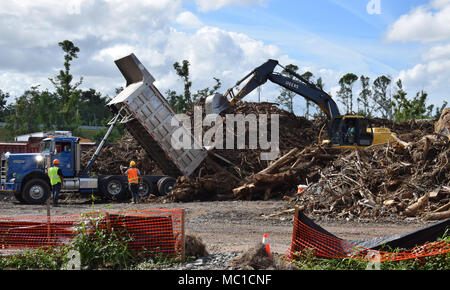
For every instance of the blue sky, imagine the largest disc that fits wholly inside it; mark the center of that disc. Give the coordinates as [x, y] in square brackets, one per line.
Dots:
[292, 25]
[227, 39]
[334, 34]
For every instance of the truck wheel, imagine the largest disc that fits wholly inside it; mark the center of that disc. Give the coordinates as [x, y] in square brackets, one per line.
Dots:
[165, 185]
[145, 188]
[113, 188]
[36, 191]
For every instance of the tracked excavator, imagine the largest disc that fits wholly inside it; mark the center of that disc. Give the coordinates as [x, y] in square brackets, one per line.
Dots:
[345, 132]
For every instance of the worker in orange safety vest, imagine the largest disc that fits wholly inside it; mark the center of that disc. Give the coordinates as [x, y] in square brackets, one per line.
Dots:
[133, 175]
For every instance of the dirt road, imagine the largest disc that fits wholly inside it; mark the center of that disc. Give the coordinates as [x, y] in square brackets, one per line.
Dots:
[230, 226]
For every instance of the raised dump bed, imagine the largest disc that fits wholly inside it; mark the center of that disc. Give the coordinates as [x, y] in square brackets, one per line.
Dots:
[147, 115]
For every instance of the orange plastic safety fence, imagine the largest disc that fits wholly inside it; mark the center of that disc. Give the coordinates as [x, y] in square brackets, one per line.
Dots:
[326, 246]
[155, 231]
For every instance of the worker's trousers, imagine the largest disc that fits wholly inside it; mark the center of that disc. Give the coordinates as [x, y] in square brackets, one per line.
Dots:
[134, 188]
[56, 188]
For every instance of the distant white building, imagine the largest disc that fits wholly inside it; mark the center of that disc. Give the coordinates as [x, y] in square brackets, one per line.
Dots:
[24, 138]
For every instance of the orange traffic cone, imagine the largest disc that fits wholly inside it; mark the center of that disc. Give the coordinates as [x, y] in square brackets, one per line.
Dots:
[265, 241]
[301, 188]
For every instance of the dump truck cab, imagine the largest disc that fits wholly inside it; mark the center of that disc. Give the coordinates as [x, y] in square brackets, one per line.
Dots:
[25, 174]
[66, 150]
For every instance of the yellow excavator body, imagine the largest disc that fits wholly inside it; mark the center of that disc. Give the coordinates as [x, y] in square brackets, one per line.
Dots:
[380, 136]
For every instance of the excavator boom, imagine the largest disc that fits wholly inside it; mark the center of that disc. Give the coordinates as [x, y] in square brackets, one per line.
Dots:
[259, 76]
[338, 126]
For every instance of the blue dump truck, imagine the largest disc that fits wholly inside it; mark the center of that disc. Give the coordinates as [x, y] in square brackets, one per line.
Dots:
[144, 112]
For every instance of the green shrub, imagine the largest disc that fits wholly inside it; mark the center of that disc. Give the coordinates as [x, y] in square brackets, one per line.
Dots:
[306, 260]
[102, 247]
[39, 259]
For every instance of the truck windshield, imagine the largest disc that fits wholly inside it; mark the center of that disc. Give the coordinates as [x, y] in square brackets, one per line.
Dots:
[46, 146]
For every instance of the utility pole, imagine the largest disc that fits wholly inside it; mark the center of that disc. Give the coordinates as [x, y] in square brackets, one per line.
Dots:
[259, 94]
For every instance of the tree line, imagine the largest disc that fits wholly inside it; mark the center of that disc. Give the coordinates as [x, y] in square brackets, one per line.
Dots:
[66, 108]
[373, 100]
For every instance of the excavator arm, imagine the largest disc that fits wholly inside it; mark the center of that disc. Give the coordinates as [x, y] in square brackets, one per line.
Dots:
[261, 74]
[309, 92]
[338, 126]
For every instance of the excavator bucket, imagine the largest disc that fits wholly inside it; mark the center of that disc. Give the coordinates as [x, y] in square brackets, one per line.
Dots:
[216, 103]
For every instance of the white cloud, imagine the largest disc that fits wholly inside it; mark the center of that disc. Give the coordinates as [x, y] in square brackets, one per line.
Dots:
[424, 24]
[208, 5]
[188, 20]
[428, 24]
[106, 30]
[113, 53]
[15, 83]
[437, 52]
[438, 4]
[33, 23]
[432, 74]
[109, 29]
[213, 52]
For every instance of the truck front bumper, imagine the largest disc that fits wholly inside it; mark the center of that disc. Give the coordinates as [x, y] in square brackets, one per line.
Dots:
[8, 187]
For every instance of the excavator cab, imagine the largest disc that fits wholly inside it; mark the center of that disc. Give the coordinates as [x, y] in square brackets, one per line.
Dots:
[351, 131]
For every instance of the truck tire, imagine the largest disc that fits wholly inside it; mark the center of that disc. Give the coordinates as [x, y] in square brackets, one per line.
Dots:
[36, 191]
[113, 188]
[145, 188]
[165, 185]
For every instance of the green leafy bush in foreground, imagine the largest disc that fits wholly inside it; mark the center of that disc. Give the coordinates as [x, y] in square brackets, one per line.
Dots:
[98, 248]
[108, 249]
[49, 259]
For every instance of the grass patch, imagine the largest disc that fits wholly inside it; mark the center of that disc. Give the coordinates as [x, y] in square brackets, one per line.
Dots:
[307, 261]
[310, 262]
[48, 259]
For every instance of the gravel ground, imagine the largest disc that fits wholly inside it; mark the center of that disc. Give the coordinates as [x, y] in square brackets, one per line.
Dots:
[227, 228]
[219, 261]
